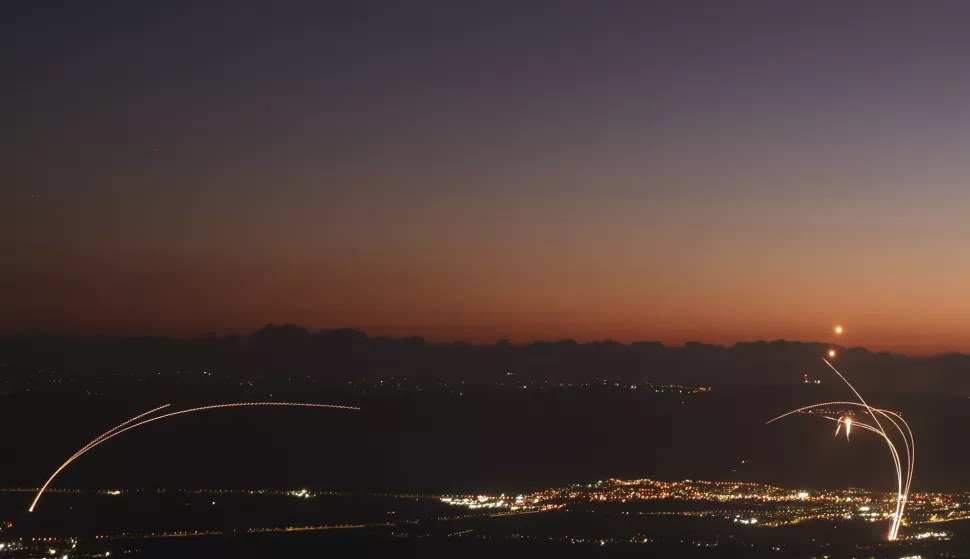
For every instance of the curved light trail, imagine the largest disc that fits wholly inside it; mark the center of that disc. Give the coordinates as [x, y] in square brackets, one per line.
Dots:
[904, 469]
[88, 446]
[119, 426]
[127, 426]
[904, 486]
[893, 417]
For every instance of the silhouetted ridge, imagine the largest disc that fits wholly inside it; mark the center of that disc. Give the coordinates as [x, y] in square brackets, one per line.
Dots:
[340, 355]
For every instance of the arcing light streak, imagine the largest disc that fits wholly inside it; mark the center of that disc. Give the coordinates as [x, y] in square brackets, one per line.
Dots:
[904, 470]
[892, 448]
[904, 477]
[88, 446]
[114, 432]
[904, 487]
[893, 417]
[120, 425]
[856, 392]
[901, 500]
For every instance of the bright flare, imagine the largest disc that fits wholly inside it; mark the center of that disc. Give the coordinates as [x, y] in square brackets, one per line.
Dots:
[839, 330]
[831, 353]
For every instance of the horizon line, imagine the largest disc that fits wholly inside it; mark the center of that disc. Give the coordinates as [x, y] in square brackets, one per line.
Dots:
[494, 341]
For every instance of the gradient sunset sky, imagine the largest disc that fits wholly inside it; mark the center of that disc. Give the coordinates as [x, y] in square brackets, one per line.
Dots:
[713, 171]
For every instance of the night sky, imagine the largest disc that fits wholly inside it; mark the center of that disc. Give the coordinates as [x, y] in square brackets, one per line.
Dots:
[713, 171]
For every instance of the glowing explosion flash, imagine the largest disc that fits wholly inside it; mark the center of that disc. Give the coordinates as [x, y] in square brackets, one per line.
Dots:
[904, 469]
[126, 426]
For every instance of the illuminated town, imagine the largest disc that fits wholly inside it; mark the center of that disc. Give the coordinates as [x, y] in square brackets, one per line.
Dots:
[746, 503]
[741, 505]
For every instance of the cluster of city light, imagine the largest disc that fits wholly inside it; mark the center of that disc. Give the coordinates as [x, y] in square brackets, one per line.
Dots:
[302, 494]
[129, 425]
[622, 491]
[477, 503]
[747, 504]
[929, 535]
[772, 506]
[20, 548]
[520, 503]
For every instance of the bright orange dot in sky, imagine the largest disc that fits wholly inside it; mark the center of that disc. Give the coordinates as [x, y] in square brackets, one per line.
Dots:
[838, 330]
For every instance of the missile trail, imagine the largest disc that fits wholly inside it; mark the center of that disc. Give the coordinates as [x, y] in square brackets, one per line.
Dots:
[895, 419]
[127, 426]
[89, 445]
[903, 494]
[854, 391]
[904, 477]
[119, 426]
[904, 469]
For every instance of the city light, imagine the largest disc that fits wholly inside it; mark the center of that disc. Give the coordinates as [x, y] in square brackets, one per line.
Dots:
[751, 505]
